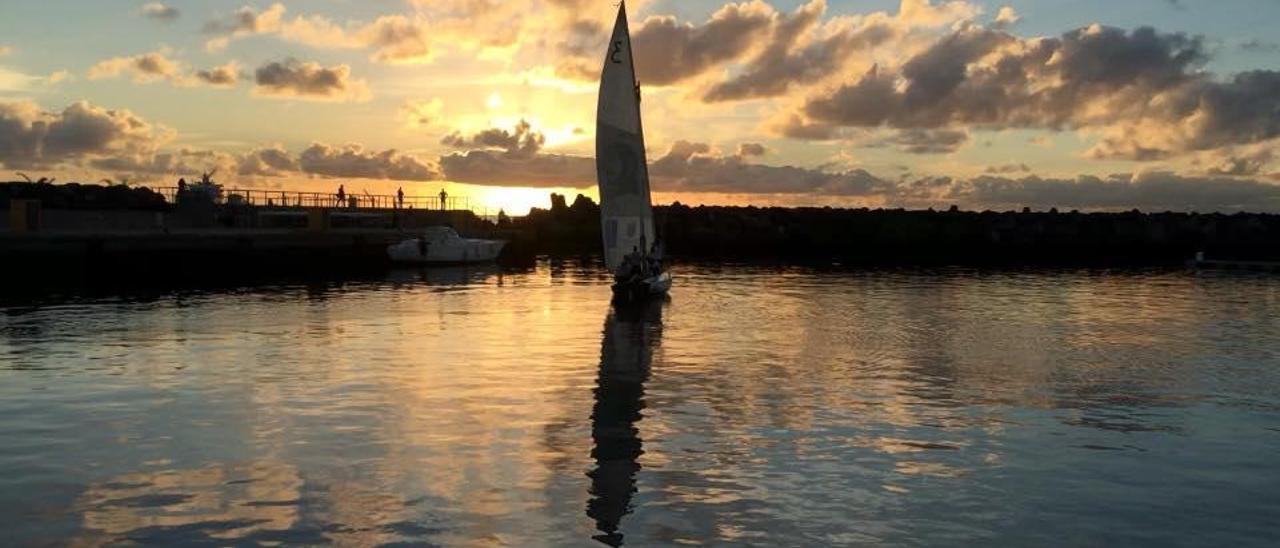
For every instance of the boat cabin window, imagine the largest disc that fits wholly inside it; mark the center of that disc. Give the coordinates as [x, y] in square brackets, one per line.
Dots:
[439, 233]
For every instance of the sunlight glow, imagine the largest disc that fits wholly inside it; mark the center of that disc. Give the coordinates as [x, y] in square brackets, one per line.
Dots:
[494, 101]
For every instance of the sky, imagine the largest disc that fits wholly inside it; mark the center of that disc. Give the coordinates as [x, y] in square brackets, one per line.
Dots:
[1089, 104]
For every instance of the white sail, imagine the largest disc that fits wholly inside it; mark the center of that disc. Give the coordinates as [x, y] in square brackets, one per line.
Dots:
[626, 214]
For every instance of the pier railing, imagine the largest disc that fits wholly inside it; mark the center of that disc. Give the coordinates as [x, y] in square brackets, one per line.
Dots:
[296, 199]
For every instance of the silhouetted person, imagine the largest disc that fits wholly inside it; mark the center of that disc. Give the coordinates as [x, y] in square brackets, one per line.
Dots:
[631, 267]
[342, 195]
[182, 190]
[400, 198]
[444, 197]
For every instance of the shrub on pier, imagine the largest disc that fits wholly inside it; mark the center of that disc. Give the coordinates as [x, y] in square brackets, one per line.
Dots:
[81, 196]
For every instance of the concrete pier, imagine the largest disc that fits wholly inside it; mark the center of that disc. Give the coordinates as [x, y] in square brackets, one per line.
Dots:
[192, 253]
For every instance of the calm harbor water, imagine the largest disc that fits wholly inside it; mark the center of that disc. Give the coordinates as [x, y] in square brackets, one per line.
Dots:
[758, 406]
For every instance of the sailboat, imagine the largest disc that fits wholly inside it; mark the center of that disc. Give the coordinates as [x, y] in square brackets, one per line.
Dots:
[632, 250]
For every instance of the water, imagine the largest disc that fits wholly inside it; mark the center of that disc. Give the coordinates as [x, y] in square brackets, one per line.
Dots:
[758, 406]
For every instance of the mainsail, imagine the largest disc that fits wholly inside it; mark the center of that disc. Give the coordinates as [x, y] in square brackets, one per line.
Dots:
[626, 215]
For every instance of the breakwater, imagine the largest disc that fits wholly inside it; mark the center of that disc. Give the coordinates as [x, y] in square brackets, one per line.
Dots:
[901, 237]
[103, 232]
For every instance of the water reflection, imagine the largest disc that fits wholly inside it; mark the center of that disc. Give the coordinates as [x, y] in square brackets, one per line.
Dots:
[217, 502]
[631, 335]
[461, 275]
[779, 407]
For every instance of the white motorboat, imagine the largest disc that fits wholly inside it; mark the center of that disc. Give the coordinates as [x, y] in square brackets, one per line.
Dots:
[443, 245]
[632, 251]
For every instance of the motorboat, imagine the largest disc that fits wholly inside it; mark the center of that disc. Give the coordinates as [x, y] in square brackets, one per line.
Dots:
[442, 245]
[632, 251]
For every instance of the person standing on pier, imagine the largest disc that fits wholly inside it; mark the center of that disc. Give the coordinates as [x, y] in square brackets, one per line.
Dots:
[342, 195]
[444, 197]
[400, 198]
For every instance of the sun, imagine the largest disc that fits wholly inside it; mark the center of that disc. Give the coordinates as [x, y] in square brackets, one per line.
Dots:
[494, 102]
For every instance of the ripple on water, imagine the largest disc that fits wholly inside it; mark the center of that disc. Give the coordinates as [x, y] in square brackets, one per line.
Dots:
[760, 406]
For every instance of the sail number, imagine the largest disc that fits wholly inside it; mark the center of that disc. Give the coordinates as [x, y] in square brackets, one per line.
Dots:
[617, 48]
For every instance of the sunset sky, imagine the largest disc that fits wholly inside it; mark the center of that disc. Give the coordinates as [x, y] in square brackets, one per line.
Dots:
[1088, 104]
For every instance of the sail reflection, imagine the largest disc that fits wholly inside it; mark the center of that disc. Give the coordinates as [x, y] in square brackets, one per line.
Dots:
[631, 335]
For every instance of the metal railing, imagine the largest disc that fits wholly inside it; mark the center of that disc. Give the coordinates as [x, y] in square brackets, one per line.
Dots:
[296, 199]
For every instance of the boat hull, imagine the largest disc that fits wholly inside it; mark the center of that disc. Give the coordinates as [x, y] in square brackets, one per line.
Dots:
[640, 290]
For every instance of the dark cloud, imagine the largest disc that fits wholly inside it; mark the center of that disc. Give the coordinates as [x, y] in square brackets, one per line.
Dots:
[1255, 45]
[1203, 115]
[521, 142]
[784, 63]
[148, 165]
[267, 161]
[487, 167]
[351, 161]
[686, 167]
[396, 39]
[583, 38]
[781, 51]
[30, 136]
[292, 78]
[160, 12]
[22, 132]
[1242, 163]
[667, 51]
[1145, 86]
[356, 162]
[1008, 168]
[923, 141]
[503, 157]
[247, 20]
[226, 75]
[751, 149]
[1148, 192]
[694, 167]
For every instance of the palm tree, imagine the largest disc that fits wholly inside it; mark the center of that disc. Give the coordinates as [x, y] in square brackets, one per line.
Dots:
[42, 180]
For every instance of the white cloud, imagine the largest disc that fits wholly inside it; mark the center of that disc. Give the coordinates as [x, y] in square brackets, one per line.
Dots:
[144, 68]
[1007, 16]
[160, 12]
[420, 114]
[14, 81]
[395, 39]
